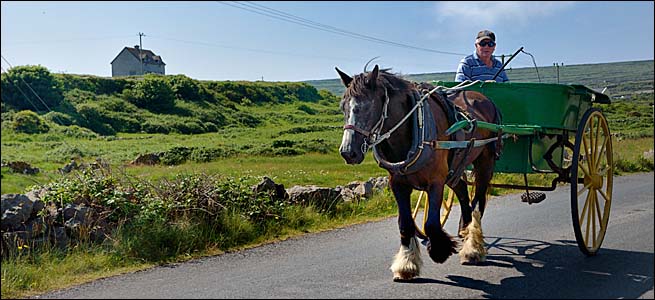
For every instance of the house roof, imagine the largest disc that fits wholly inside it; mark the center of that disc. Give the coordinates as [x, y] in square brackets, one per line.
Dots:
[148, 56]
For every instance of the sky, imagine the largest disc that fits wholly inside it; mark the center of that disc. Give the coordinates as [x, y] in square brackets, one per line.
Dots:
[306, 40]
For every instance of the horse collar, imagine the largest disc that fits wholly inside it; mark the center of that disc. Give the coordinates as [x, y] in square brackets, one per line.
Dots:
[423, 129]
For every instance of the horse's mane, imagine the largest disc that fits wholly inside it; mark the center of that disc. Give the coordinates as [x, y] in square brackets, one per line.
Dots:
[392, 81]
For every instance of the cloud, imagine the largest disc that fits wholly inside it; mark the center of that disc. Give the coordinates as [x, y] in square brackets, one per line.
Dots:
[490, 13]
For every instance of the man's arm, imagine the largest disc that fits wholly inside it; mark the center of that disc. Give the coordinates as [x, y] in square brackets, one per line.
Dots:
[463, 72]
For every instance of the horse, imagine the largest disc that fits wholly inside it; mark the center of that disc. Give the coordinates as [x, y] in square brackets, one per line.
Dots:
[376, 107]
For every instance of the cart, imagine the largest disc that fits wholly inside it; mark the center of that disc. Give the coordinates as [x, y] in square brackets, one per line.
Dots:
[552, 129]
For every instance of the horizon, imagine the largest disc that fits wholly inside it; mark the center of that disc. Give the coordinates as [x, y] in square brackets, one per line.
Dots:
[305, 41]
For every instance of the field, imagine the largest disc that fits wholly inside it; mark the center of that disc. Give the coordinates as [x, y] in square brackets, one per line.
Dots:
[261, 133]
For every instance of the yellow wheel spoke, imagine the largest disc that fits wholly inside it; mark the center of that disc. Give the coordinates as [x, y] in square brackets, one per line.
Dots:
[586, 187]
[602, 150]
[589, 218]
[607, 199]
[593, 223]
[418, 203]
[600, 214]
[586, 172]
[595, 152]
[584, 209]
[586, 151]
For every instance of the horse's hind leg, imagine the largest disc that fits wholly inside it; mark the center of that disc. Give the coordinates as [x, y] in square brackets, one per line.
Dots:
[473, 250]
[407, 263]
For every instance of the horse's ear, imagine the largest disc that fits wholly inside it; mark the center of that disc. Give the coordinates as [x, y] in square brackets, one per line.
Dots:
[345, 79]
[373, 76]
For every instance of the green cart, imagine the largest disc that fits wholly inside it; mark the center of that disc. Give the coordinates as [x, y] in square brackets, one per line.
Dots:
[552, 129]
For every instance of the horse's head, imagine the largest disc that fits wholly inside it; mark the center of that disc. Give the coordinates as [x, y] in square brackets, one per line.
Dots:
[362, 107]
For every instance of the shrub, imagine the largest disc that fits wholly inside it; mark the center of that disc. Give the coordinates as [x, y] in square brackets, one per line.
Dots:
[27, 121]
[152, 93]
[151, 126]
[187, 127]
[92, 118]
[247, 119]
[21, 83]
[78, 132]
[186, 88]
[283, 143]
[175, 156]
[307, 109]
[59, 118]
[206, 155]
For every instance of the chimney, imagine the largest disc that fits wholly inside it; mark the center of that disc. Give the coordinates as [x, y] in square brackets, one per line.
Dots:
[136, 47]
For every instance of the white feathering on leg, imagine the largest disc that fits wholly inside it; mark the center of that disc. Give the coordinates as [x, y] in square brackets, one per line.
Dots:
[473, 250]
[408, 262]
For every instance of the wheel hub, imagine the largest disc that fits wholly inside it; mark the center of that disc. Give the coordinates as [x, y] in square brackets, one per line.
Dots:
[595, 181]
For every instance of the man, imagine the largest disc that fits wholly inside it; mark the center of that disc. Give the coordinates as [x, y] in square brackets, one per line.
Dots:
[481, 65]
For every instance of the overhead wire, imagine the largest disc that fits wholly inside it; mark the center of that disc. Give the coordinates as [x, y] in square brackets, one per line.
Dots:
[19, 89]
[247, 49]
[277, 14]
[23, 80]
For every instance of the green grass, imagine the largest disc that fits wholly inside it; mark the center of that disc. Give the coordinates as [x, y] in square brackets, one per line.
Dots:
[35, 272]
[312, 129]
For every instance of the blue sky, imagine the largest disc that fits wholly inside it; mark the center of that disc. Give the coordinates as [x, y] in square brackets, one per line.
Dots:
[222, 40]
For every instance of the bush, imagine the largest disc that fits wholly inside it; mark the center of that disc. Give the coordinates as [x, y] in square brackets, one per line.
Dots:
[187, 127]
[78, 132]
[154, 127]
[59, 118]
[307, 109]
[175, 156]
[153, 93]
[20, 84]
[93, 118]
[247, 119]
[186, 88]
[27, 121]
[206, 155]
[283, 143]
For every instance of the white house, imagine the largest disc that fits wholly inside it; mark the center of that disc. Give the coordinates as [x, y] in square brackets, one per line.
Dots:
[127, 62]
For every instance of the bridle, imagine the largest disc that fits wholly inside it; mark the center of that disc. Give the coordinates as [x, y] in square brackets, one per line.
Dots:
[371, 137]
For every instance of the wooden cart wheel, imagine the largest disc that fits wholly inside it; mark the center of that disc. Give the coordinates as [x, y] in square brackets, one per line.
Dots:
[446, 206]
[591, 181]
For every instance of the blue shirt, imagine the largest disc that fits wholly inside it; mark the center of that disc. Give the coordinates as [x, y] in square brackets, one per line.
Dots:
[472, 68]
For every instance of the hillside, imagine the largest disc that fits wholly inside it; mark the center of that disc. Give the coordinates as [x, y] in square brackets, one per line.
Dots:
[621, 78]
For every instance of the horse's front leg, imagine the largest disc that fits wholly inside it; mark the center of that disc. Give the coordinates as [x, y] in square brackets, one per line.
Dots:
[407, 263]
[440, 244]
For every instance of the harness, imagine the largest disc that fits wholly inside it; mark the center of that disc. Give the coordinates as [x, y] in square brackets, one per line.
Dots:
[424, 132]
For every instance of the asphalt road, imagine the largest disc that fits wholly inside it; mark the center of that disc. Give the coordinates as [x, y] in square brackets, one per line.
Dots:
[532, 254]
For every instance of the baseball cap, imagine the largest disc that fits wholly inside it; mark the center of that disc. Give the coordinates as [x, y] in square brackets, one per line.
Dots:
[485, 34]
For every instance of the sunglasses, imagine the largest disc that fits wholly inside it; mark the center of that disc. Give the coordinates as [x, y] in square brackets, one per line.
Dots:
[489, 43]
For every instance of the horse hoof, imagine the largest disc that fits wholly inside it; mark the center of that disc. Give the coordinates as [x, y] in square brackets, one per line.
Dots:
[400, 279]
[471, 259]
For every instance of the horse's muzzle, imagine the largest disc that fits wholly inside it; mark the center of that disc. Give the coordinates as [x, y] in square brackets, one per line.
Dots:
[352, 157]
